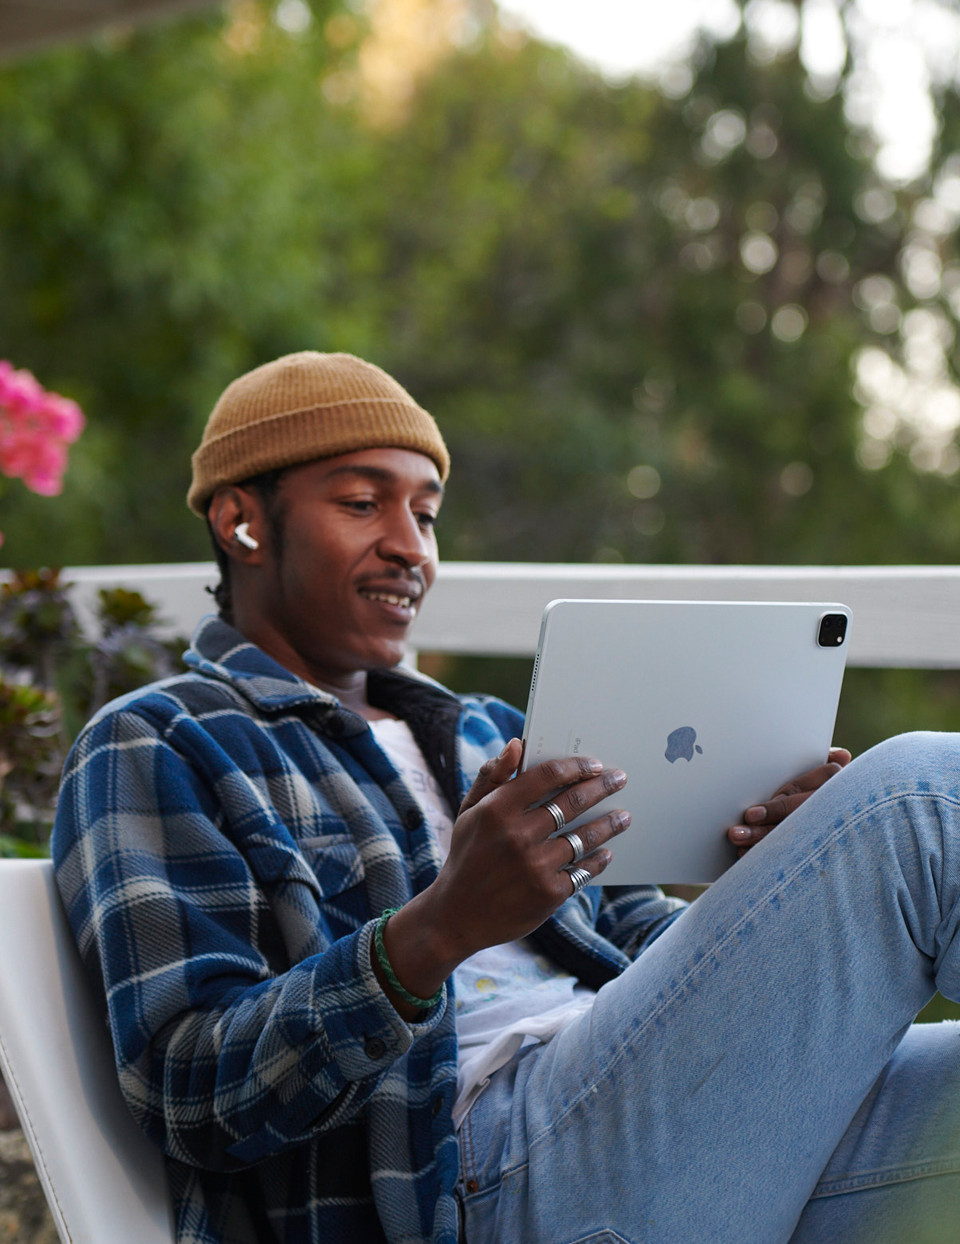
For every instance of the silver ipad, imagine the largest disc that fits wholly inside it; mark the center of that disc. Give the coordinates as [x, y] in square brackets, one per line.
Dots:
[708, 706]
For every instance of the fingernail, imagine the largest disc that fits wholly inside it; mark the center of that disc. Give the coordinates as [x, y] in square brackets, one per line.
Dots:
[595, 766]
[740, 833]
[621, 819]
[757, 813]
[618, 778]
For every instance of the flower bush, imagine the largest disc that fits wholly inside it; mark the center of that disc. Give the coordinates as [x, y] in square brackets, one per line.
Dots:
[52, 675]
[36, 622]
[52, 678]
[31, 756]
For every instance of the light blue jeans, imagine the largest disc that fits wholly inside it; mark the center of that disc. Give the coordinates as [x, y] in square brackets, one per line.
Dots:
[754, 1077]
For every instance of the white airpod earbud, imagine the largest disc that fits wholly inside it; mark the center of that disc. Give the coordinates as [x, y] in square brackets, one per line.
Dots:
[242, 533]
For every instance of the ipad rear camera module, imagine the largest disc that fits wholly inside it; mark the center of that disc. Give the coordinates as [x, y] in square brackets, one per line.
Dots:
[833, 630]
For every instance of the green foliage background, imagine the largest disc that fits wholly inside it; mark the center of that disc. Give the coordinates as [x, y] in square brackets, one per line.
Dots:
[550, 262]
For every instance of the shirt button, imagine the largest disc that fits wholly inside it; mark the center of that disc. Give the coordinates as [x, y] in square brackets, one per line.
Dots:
[472, 1186]
[413, 819]
[374, 1047]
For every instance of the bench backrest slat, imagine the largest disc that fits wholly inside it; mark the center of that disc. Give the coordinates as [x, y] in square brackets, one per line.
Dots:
[903, 616]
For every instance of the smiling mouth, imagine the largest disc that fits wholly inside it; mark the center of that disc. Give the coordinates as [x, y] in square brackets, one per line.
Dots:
[391, 598]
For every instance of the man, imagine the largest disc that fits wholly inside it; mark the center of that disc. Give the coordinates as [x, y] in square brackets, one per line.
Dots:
[356, 989]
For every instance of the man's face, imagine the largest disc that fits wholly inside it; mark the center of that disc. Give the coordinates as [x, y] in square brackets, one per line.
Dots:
[357, 554]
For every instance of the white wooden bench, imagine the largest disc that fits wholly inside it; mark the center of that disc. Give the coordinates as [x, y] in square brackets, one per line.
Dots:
[104, 1182]
[903, 616]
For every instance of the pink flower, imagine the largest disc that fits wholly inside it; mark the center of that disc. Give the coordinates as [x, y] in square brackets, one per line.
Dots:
[21, 393]
[64, 418]
[44, 472]
[35, 429]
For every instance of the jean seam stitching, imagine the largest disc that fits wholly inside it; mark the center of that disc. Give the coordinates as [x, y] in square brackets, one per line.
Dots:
[907, 1173]
[469, 1153]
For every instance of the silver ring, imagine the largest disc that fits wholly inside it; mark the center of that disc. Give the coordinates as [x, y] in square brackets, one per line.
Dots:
[580, 877]
[577, 843]
[558, 817]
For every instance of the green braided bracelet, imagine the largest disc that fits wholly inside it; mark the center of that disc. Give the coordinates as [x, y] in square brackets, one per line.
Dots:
[422, 1004]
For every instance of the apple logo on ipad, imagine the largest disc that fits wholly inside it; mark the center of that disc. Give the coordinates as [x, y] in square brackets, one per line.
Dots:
[682, 742]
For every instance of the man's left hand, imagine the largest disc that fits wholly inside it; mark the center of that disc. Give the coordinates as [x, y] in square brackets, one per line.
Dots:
[762, 817]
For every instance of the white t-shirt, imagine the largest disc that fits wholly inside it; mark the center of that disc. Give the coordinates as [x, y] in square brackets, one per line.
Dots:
[506, 995]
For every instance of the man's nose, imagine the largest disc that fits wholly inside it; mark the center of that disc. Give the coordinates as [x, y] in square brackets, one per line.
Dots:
[406, 541]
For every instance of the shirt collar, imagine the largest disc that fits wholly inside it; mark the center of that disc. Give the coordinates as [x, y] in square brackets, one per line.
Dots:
[220, 651]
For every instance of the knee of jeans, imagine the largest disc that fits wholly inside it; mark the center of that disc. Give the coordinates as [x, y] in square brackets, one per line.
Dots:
[923, 760]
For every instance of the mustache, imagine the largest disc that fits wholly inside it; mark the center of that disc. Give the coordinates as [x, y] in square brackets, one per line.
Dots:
[412, 580]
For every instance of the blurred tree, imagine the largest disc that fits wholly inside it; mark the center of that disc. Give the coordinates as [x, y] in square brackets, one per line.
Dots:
[167, 196]
[639, 317]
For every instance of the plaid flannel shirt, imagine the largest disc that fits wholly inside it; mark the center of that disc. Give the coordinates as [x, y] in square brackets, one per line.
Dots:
[224, 842]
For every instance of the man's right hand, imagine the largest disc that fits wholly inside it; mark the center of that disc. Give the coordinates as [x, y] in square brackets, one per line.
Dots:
[506, 873]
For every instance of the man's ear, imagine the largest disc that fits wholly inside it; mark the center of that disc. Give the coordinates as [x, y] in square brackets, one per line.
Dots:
[236, 519]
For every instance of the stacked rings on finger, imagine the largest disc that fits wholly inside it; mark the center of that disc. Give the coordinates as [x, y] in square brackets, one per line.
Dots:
[580, 877]
[558, 817]
[577, 843]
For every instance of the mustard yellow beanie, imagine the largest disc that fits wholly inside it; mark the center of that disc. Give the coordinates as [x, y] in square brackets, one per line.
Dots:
[306, 406]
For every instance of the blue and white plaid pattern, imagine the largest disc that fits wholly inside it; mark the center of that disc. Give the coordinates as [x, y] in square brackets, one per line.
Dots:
[224, 842]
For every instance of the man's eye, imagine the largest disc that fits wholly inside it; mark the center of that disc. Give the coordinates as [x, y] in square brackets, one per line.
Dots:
[427, 520]
[360, 507]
